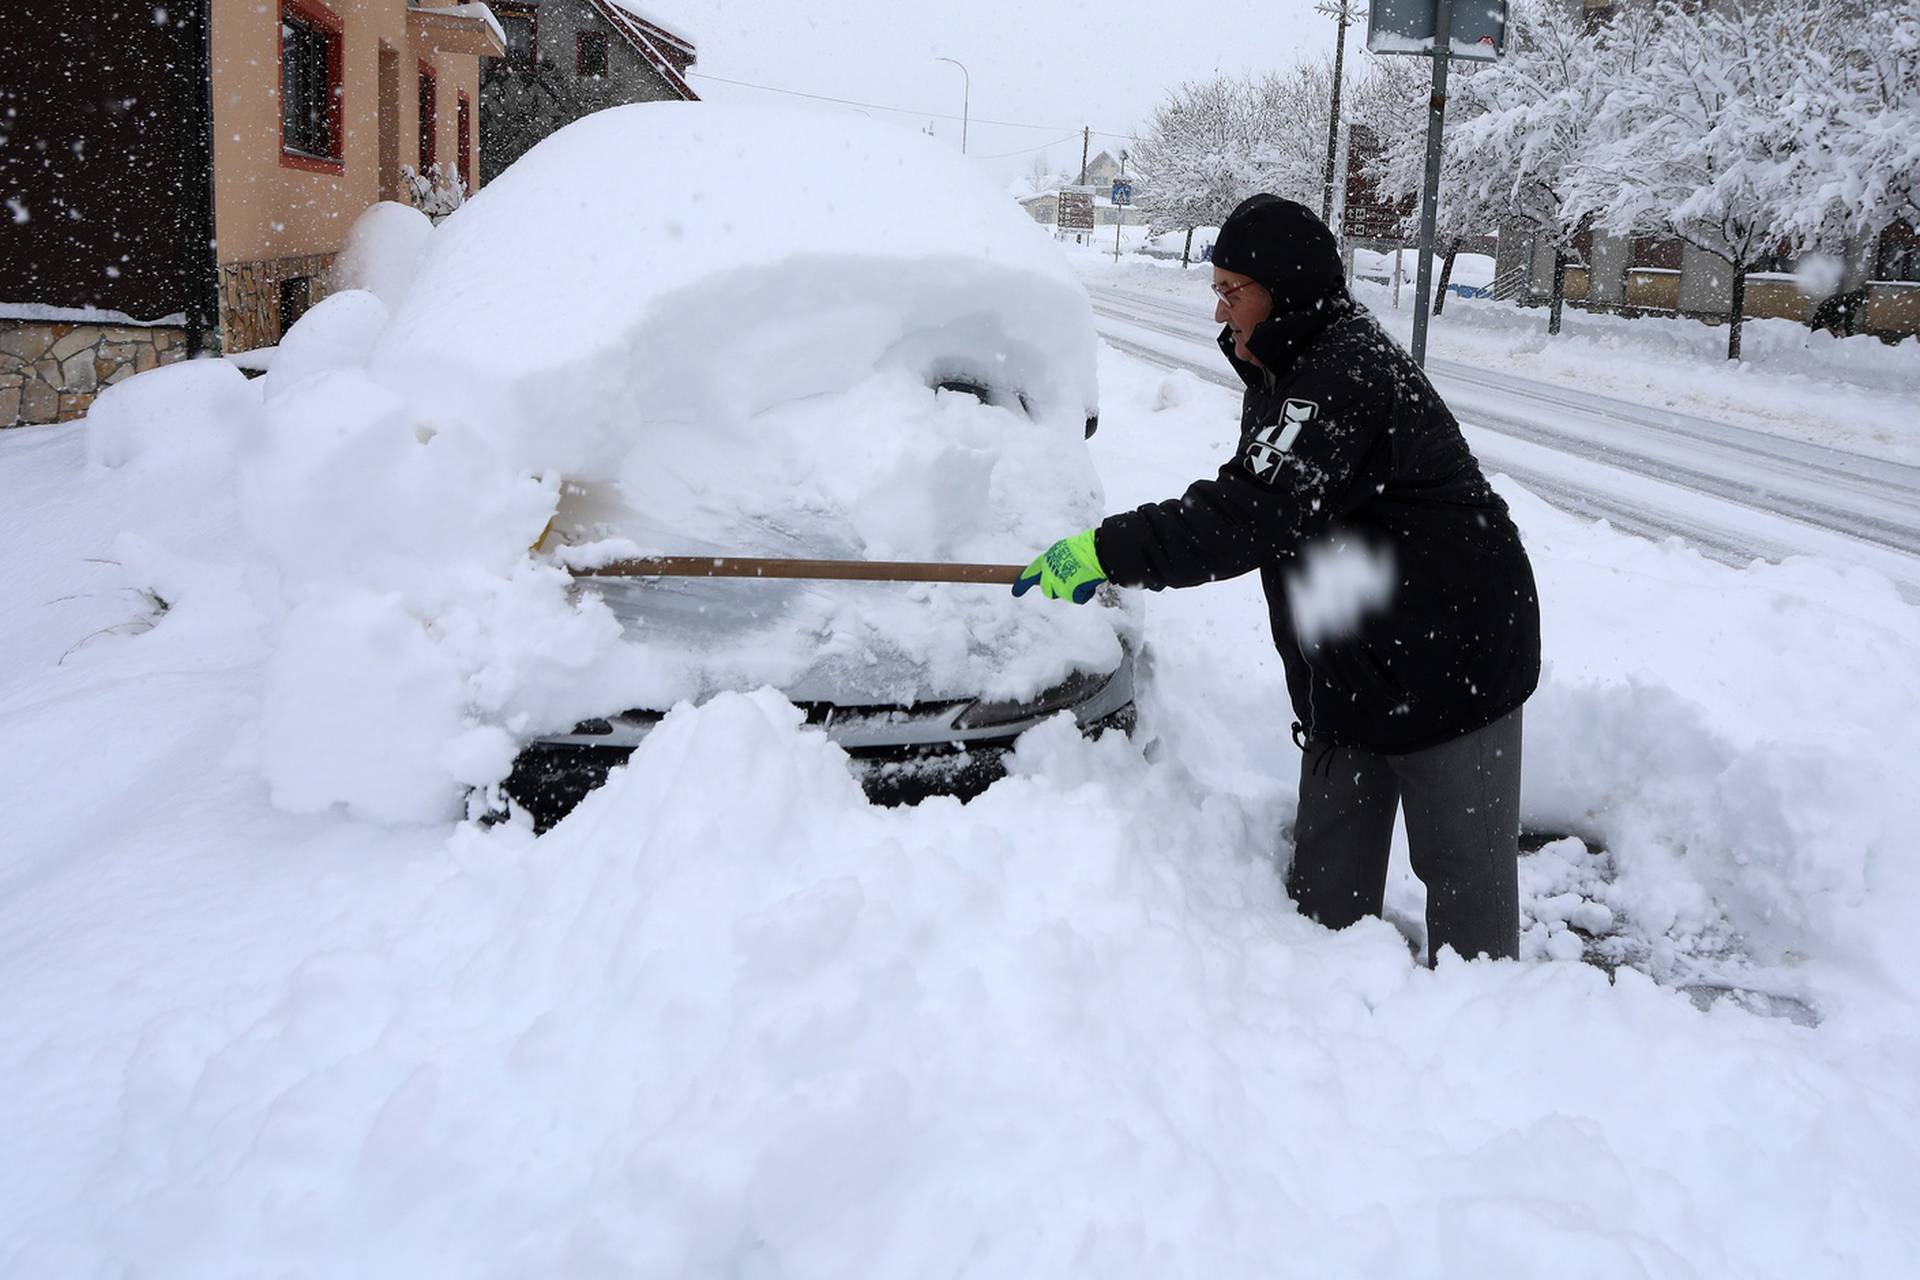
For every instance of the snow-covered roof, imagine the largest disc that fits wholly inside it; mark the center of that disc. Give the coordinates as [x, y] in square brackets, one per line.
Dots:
[646, 38]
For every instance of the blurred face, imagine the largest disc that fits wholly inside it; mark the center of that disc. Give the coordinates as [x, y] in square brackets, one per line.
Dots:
[1243, 302]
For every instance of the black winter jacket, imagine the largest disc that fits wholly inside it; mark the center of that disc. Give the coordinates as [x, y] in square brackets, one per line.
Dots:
[1345, 445]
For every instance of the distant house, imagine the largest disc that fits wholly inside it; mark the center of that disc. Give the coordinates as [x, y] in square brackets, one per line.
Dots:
[568, 58]
[1101, 171]
[1657, 275]
[1043, 206]
[190, 192]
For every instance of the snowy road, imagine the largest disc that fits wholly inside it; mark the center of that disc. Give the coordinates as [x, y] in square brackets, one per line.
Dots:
[1733, 493]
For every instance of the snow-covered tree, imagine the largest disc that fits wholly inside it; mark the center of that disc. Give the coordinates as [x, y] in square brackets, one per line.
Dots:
[1392, 98]
[1289, 130]
[1215, 142]
[1855, 110]
[437, 192]
[1199, 154]
[1530, 120]
[1699, 140]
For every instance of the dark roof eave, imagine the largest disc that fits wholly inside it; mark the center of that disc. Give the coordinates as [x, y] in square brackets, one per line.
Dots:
[635, 32]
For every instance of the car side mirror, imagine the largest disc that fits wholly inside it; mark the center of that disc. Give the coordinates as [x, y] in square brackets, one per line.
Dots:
[1093, 424]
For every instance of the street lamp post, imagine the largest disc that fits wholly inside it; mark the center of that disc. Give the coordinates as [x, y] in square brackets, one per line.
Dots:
[966, 96]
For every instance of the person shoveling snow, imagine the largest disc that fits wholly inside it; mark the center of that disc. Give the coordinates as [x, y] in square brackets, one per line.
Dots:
[1400, 596]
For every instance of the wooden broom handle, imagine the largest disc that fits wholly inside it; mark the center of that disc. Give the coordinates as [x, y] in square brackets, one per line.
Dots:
[835, 570]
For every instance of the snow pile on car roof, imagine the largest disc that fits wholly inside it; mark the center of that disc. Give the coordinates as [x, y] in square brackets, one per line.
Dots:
[673, 261]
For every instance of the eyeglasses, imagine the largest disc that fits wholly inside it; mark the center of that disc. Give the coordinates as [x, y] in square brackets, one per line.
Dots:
[1225, 292]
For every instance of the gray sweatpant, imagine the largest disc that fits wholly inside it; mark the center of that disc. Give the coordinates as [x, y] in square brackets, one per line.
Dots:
[1462, 800]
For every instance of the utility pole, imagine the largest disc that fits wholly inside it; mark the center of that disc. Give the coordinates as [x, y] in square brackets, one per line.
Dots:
[1086, 135]
[1340, 10]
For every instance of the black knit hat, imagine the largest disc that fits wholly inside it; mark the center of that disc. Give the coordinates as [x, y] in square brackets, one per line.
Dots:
[1282, 245]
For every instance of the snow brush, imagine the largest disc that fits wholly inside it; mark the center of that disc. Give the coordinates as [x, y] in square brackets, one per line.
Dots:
[832, 570]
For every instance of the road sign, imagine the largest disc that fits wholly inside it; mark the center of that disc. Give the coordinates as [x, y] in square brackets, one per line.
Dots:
[1122, 192]
[1441, 30]
[1075, 211]
[1478, 28]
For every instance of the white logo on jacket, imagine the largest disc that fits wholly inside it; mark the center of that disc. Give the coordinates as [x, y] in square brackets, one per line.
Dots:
[1268, 443]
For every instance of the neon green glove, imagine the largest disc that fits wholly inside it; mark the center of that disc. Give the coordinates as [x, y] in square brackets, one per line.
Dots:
[1067, 570]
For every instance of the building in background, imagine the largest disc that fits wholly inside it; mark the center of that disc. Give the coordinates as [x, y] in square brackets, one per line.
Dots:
[568, 58]
[1660, 275]
[1663, 275]
[1039, 194]
[180, 177]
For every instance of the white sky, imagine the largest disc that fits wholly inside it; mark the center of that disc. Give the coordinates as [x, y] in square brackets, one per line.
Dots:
[1060, 63]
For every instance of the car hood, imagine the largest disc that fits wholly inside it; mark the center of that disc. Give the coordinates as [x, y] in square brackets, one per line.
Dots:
[859, 643]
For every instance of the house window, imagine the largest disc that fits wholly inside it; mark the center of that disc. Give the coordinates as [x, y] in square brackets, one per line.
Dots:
[590, 53]
[1899, 254]
[428, 96]
[1656, 251]
[310, 82]
[463, 122]
[1582, 255]
[521, 25]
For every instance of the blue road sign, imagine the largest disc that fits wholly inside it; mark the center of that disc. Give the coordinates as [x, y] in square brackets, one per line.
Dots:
[1122, 192]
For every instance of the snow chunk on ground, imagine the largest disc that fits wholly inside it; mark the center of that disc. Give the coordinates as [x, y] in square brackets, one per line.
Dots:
[191, 414]
[383, 251]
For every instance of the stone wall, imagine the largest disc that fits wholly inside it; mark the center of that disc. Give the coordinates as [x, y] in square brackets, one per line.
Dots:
[250, 297]
[50, 372]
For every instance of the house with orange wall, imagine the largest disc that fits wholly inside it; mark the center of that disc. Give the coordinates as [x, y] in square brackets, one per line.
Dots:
[180, 178]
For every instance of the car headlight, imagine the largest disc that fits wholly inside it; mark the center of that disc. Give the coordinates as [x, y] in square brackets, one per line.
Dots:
[1072, 691]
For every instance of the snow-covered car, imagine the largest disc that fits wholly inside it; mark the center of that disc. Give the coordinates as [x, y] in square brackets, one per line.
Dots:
[762, 333]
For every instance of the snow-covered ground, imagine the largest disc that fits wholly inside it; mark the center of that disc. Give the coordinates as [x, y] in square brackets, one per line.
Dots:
[1470, 270]
[269, 1010]
[728, 1018]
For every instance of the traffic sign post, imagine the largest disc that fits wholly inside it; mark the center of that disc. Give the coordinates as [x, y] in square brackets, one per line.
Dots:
[1120, 196]
[1074, 212]
[1476, 29]
[1433, 29]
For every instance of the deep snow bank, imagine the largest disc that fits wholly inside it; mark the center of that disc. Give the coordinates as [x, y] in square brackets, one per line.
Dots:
[727, 1017]
[730, 1019]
